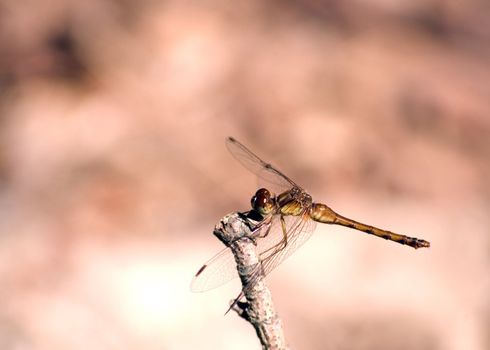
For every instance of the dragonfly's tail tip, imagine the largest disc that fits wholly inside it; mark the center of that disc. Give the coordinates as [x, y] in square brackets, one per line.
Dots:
[422, 244]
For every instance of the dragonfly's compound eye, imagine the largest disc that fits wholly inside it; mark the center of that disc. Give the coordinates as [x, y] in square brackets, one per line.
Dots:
[262, 201]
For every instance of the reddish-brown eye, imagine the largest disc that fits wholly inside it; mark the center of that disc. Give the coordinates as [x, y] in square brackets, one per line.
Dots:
[261, 200]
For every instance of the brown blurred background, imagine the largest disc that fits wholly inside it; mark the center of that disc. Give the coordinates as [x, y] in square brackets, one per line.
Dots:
[113, 169]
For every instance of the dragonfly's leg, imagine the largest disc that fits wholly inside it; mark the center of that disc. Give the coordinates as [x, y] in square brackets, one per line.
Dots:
[259, 229]
[266, 254]
[284, 233]
[279, 246]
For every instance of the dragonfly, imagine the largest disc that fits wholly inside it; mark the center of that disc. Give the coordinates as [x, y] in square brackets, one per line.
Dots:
[285, 217]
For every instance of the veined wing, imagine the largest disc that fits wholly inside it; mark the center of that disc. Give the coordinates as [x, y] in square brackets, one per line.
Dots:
[221, 268]
[299, 230]
[217, 271]
[263, 170]
[271, 248]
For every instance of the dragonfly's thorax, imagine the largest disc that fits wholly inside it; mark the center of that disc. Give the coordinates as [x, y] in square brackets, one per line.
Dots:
[293, 201]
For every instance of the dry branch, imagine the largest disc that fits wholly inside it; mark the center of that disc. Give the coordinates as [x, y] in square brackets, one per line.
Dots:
[236, 232]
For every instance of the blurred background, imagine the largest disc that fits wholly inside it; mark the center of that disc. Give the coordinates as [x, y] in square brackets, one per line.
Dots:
[113, 170]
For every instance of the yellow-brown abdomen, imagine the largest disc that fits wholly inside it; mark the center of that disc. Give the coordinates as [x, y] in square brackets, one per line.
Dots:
[321, 213]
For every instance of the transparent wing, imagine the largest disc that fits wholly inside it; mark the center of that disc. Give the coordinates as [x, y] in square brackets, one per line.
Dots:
[217, 271]
[298, 231]
[222, 267]
[265, 171]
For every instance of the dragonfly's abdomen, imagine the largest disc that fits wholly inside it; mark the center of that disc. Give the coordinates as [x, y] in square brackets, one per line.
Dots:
[321, 213]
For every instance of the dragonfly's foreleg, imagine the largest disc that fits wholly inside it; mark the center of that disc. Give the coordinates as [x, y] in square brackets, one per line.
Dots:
[268, 253]
[277, 247]
[263, 255]
[261, 233]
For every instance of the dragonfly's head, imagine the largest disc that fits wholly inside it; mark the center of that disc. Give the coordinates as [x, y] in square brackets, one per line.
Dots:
[262, 202]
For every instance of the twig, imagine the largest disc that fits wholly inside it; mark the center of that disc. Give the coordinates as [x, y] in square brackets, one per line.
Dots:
[236, 232]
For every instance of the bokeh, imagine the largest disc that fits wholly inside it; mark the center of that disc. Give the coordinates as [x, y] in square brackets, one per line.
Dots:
[113, 170]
